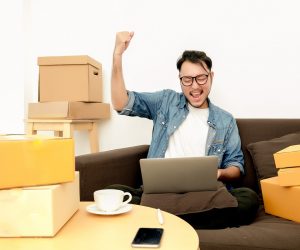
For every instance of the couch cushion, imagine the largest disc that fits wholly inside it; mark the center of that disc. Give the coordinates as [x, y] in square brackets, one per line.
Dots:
[266, 232]
[255, 130]
[262, 153]
[190, 202]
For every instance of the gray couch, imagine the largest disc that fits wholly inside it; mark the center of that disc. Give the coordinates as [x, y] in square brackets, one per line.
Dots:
[267, 231]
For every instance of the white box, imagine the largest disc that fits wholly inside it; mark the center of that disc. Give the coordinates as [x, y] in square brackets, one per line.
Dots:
[37, 211]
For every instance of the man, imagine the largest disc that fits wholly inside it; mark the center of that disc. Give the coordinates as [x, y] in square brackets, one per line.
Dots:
[188, 124]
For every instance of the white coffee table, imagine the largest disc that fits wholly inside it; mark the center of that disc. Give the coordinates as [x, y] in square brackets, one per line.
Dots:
[108, 232]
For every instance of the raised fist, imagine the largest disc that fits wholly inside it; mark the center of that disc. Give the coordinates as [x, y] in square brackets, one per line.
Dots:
[122, 42]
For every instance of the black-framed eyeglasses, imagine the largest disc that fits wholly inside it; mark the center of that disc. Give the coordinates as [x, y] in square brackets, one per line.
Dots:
[188, 80]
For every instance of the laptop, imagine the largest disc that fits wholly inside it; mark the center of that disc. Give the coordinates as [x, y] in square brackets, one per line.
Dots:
[179, 175]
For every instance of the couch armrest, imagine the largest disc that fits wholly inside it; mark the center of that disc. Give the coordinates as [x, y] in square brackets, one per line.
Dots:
[119, 166]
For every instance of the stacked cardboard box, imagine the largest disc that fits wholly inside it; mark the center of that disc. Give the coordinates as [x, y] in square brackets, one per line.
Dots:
[288, 163]
[70, 87]
[281, 194]
[39, 188]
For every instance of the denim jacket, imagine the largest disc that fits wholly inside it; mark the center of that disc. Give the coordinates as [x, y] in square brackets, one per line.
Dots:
[168, 109]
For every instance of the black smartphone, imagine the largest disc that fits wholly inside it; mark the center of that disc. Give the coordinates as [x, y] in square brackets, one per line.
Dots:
[147, 237]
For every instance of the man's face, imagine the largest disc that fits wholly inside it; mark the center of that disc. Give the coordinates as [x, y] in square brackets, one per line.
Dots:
[196, 93]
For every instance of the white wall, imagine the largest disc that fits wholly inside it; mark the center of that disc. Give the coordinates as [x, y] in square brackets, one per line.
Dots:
[254, 46]
[11, 67]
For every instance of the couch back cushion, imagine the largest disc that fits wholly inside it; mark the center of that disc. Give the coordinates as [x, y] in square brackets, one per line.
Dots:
[262, 153]
[256, 130]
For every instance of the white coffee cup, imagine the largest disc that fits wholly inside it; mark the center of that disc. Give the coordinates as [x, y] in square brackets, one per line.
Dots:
[110, 200]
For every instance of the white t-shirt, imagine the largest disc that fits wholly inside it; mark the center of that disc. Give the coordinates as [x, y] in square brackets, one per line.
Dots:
[190, 138]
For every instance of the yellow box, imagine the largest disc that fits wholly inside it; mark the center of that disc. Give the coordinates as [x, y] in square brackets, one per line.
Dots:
[70, 78]
[288, 157]
[37, 211]
[289, 176]
[35, 160]
[281, 201]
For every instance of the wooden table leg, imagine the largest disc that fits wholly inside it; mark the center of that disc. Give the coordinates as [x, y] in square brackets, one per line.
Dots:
[94, 139]
[29, 129]
[58, 133]
[67, 130]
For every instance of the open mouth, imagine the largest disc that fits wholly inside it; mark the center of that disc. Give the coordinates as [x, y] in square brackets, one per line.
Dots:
[196, 95]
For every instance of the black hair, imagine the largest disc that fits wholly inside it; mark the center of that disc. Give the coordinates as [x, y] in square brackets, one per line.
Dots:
[194, 56]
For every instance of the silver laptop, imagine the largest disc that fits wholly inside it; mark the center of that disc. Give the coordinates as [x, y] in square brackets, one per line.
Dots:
[179, 175]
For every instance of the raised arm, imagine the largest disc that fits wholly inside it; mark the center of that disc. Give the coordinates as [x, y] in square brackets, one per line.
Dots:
[118, 90]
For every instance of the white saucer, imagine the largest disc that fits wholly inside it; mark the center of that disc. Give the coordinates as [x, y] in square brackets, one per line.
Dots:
[94, 210]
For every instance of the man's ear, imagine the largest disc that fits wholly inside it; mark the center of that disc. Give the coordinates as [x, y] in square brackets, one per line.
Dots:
[212, 74]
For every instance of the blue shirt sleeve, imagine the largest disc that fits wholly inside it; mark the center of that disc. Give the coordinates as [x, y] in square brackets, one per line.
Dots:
[233, 155]
[143, 104]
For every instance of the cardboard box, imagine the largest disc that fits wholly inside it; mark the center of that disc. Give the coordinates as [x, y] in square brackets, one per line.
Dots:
[35, 160]
[289, 176]
[37, 211]
[288, 157]
[69, 110]
[70, 78]
[281, 201]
